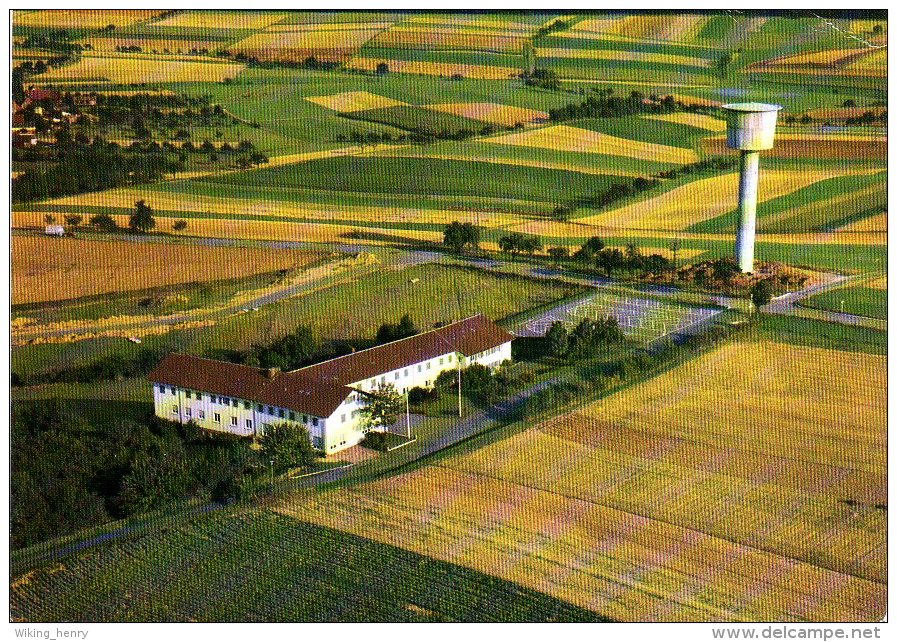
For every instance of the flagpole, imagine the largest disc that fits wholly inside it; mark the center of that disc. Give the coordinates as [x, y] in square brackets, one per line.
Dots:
[407, 415]
[458, 361]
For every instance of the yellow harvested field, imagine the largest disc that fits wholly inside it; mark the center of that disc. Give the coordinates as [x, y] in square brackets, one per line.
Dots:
[701, 200]
[51, 269]
[477, 72]
[222, 19]
[701, 121]
[875, 62]
[647, 506]
[624, 56]
[874, 223]
[351, 101]
[494, 113]
[662, 28]
[269, 230]
[82, 18]
[575, 139]
[421, 37]
[300, 41]
[695, 100]
[839, 113]
[131, 69]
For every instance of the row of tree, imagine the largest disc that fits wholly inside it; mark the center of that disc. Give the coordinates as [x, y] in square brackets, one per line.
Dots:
[606, 105]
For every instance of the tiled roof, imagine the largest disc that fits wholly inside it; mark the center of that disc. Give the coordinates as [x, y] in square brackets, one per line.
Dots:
[319, 389]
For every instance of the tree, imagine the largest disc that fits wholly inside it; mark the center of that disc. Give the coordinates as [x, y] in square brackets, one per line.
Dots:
[675, 246]
[557, 339]
[179, 225]
[591, 336]
[562, 212]
[382, 68]
[589, 250]
[288, 445]
[558, 254]
[382, 407]
[529, 58]
[142, 219]
[393, 332]
[103, 222]
[458, 235]
[49, 219]
[761, 293]
[609, 260]
[73, 219]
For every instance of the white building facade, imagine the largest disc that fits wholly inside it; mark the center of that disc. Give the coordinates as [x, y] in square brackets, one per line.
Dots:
[325, 398]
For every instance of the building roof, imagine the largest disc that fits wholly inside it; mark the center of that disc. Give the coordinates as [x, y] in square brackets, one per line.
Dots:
[319, 389]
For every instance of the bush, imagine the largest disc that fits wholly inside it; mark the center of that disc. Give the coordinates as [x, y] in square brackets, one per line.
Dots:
[417, 395]
[375, 441]
[288, 445]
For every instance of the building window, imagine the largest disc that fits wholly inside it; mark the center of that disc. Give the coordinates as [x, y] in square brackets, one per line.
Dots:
[305, 419]
[174, 410]
[420, 368]
[187, 411]
[314, 421]
[260, 408]
[406, 372]
[202, 414]
[199, 396]
[428, 365]
[397, 374]
[343, 418]
[354, 414]
[212, 398]
[234, 403]
[223, 400]
[249, 423]
[450, 358]
[383, 381]
[247, 405]
[162, 389]
[233, 421]
[280, 413]
[217, 418]
[317, 442]
[292, 416]
[270, 410]
[187, 394]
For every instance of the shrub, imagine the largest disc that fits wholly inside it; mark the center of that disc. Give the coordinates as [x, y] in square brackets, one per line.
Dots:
[288, 445]
[375, 441]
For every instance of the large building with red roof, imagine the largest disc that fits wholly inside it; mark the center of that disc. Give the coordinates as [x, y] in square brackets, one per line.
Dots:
[325, 397]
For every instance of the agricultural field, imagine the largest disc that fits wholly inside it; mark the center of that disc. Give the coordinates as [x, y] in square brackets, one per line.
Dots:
[130, 69]
[353, 139]
[579, 507]
[365, 581]
[702, 200]
[49, 269]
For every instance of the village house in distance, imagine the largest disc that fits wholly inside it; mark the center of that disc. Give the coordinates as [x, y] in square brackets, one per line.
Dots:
[324, 397]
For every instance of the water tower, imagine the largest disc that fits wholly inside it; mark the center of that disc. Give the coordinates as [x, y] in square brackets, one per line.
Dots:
[751, 129]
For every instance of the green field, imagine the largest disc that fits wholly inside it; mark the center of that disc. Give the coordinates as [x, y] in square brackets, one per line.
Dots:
[418, 119]
[824, 205]
[863, 301]
[645, 129]
[383, 175]
[221, 567]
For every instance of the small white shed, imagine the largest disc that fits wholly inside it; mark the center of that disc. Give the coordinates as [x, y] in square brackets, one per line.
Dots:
[54, 230]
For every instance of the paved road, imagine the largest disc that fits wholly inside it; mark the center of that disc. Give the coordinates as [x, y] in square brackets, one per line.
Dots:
[789, 304]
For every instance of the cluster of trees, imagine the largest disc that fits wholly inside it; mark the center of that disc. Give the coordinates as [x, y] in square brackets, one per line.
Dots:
[460, 235]
[519, 243]
[557, 25]
[713, 164]
[542, 79]
[606, 105]
[389, 332]
[618, 191]
[91, 168]
[868, 118]
[588, 339]
[296, 349]
[594, 253]
[424, 134]
[310, 62]
[57, 40]
[69, 472]
[480, 384]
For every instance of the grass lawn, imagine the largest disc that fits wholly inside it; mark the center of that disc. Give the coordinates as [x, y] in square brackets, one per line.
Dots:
[321, 575]
[866, 302]
[823, 334]
[413, 118]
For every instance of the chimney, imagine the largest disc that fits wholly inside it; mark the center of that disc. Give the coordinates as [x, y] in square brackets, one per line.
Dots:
[271, 373]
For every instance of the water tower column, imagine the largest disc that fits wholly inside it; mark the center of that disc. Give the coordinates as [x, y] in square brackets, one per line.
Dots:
[750, 129]
[747, 210]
